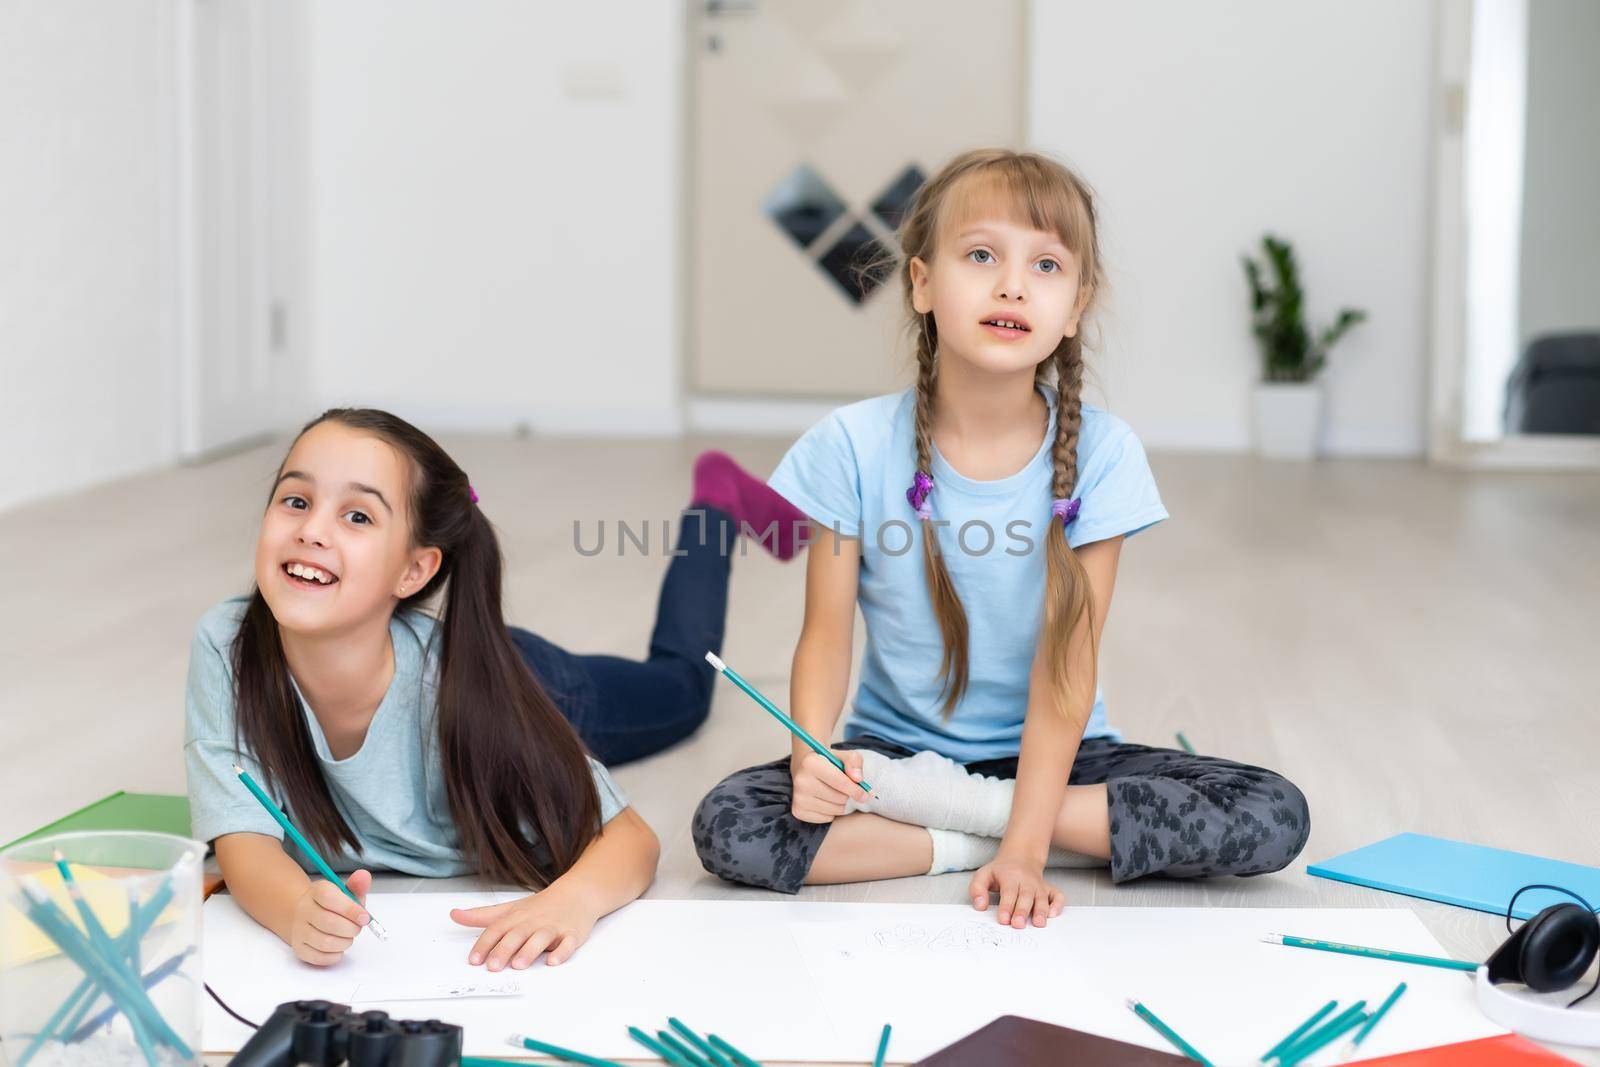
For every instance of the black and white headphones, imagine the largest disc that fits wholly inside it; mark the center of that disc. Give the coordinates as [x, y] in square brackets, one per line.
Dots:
[1550, 952]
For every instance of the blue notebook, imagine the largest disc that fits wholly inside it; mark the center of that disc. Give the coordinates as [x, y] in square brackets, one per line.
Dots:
[1454, 872]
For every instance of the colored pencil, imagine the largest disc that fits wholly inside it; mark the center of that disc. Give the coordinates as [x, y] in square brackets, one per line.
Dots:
[557, 1052]
[1366, 1027]
[1319, 1037]
[681, 1049]
[1167, 1032]
[1300, 1031]
[883, 1047]
[111, 977]
[1311, 1045]
[661, 1051]
[81, 998]
[700, 1043]
[1370, 953]
[147, 915]
[305, 846]
[1183, 742]
[78, 1003]
[738, 1057]
[114, 954]
[795, 728]
[156, 976]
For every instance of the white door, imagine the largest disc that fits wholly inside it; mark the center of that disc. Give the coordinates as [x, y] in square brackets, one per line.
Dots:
[240, 162]
[814, 123]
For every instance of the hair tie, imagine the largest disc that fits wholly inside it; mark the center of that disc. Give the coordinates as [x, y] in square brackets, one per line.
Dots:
[473, 493]
[1066, 510]
[917, 495]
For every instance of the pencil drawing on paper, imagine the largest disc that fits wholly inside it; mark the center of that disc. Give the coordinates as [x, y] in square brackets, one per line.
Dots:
[968, 935]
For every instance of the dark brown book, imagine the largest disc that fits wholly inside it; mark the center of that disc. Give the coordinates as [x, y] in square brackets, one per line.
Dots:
[1013, 1041]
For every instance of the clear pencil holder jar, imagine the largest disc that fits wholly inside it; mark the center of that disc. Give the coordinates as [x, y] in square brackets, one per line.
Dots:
[100, 950]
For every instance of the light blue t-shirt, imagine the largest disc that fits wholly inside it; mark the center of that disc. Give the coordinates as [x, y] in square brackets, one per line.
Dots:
[850, 472]
[390, 791]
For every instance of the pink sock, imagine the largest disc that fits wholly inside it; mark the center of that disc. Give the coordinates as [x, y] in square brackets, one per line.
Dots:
[719, 482]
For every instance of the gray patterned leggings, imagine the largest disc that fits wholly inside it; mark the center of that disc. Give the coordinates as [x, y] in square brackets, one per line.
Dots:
[1171, 813]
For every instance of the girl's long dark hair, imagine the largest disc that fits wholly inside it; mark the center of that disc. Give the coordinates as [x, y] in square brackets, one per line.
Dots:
[517, 776]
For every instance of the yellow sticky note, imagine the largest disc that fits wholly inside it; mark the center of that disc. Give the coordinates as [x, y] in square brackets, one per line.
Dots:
[22, 942]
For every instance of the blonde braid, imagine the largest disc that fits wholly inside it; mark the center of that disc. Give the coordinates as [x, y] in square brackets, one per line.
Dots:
[1069, 598]
[1068, 360]
[947, 607]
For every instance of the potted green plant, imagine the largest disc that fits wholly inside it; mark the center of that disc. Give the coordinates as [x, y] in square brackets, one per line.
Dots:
[1288, 399]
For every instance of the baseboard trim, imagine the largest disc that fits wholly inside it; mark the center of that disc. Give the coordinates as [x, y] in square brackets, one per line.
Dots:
[1528, 452]
[758, 417]
[564, 421]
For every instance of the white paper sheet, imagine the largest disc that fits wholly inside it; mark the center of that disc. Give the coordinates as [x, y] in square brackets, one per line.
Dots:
[814, 981]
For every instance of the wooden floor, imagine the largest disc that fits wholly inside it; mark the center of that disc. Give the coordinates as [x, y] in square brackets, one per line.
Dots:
[1414, 647]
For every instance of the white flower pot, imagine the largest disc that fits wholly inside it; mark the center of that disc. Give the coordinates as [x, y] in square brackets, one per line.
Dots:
[1288, 419]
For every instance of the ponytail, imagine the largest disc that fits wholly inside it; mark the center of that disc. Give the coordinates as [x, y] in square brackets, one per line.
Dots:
[516, 774]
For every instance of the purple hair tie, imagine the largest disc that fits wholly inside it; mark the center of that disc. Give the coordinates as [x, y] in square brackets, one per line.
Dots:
[473, 493]
[1066, 510]
[917, 495]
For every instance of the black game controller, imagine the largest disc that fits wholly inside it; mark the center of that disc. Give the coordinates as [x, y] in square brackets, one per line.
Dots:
[325, 1034]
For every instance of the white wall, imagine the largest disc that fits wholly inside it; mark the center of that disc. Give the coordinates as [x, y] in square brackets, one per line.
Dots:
[1203, 125]
[495, 212]
[1560, 284]
[86, 393]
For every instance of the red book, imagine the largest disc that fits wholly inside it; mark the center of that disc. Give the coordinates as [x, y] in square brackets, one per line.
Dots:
[1507, 1050]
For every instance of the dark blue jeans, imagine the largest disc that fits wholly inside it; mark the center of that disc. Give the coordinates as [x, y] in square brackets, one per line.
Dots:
[626, 709]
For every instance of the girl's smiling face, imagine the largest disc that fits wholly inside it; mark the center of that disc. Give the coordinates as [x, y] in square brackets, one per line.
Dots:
[1003, 294]
[335, 549]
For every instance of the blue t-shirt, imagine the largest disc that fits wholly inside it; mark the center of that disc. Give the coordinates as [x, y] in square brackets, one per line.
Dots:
[390, 791]
[850, 473]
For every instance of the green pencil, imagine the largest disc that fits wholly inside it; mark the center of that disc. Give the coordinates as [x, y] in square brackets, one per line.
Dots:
[1168, 1032]
[1370, 953]
[1305, 1044]
[795, 728]
[1184, 743]
[124, 991]
[738, 1057]
[700, 1043]
[1366, 1027]
[147, 915]
[661, 1051]
[883, 1047]
[682, 1049]
[557, 1052]
[1300, 1031]
[114, 954]
[1330, 1032]
[305, 846]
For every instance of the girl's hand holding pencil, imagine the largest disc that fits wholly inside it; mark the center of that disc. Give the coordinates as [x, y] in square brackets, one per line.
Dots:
[821, 789]
[325, 922]
[824, 779]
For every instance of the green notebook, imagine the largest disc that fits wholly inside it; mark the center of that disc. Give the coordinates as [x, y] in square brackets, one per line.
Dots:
[124, 811]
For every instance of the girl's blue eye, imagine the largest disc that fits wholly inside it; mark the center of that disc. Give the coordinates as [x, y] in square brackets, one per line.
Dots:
[980, 252]
[1052, 264]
